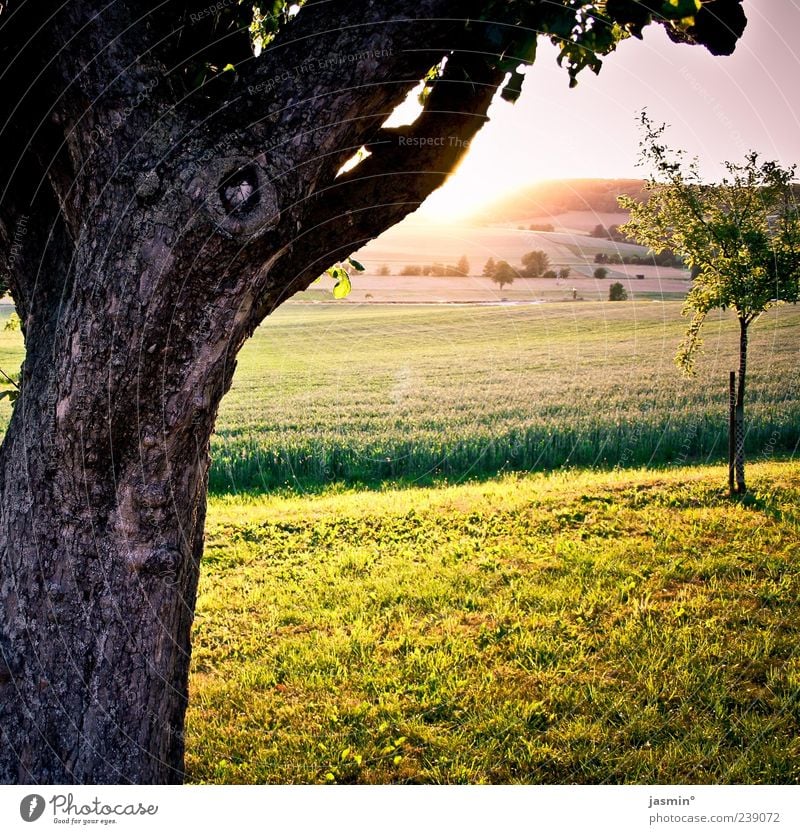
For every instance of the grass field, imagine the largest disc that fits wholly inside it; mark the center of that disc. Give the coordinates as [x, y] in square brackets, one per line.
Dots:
[363, 395]
[615, 625]
[576, 627]
[327, 393]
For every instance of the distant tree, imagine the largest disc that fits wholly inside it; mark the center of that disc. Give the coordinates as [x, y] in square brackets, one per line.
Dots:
[542, 227]
[504, 274]
[617, 292]
[601, 258]
[384, 270]
[550, 274]
[489, 268]
[535, 263]
[600, 231]
[463, 265]
[411, 269]
[740, 237]
[601, 273]
[438, 270]
[564, 273]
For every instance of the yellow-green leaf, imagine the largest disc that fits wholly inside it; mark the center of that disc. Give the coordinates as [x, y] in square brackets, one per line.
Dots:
[341, 289]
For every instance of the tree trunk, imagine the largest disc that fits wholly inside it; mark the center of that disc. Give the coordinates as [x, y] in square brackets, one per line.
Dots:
[739, 412]
[160, 227]
[732, 434]
[102, 490]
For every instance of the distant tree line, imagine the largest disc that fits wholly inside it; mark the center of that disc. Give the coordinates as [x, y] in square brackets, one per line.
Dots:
[665, 258]
[610, 233]
[437, 269]
[535, 264]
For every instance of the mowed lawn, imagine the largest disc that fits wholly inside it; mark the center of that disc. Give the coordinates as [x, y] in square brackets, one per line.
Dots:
[596, 628]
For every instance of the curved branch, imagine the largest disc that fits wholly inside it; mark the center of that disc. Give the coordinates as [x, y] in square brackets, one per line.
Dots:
[405, 166]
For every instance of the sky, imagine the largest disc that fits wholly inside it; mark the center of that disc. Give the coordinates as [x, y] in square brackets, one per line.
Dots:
[717, 108]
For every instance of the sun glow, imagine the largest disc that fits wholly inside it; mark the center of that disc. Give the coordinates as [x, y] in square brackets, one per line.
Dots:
[716, 108]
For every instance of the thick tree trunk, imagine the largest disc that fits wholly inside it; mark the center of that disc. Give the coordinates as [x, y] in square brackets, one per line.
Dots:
[102, 497]
[97, 618]
[161, 227]
[739, 411]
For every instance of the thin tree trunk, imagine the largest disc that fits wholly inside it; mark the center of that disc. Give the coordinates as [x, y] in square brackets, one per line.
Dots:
[739, 463]
[732, 433]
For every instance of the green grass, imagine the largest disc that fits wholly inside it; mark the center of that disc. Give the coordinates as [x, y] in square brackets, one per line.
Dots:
[327, 394]
[614, 626]
[336, 394]
[577, 627]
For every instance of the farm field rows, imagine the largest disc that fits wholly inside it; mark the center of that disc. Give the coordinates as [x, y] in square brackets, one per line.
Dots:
[392, 625]
[327, 393]
[367, 394]
[373, 393]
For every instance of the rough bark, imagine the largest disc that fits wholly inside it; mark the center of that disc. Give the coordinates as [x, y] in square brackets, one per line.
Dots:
[162, 224]
[147, 225]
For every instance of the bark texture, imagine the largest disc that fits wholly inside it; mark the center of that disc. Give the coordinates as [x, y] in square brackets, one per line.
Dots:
[154, 209]
[161, 223]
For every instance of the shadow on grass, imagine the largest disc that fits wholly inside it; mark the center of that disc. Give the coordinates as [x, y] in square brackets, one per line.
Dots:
[773, 503]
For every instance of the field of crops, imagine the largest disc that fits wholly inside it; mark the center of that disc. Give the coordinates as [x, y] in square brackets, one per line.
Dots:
[328, 393]
[332, 393]
[614, 627]
[573, 626]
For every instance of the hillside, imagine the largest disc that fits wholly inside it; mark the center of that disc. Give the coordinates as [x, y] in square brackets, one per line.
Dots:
[547, 200]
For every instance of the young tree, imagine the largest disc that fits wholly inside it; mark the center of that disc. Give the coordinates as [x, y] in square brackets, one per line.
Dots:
[740, 237]
[564, 273]
[617, 292]
[535, 264]
[171, 173]
[462, 266]
[601, 273]
[504, 274]
[383, 270]
[489, 268]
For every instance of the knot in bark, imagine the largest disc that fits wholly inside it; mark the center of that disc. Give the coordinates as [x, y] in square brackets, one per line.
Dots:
[163, 562]
[238, 195]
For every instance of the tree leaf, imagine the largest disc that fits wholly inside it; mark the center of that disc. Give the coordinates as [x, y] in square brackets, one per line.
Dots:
[342, 287]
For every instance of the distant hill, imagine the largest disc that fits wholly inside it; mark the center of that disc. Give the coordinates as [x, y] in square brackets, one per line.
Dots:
[549, 199]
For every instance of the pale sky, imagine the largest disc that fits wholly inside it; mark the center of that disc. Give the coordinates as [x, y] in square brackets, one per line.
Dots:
[718, 109]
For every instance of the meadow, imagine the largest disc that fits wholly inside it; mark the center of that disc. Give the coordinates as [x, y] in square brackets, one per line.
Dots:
[392, 593]
[367, 394]
[628, 626]
[329, 394]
